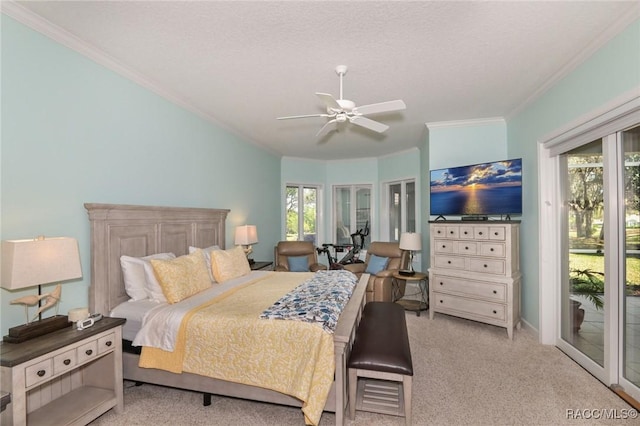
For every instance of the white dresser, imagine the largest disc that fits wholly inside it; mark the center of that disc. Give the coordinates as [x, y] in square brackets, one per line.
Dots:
[475, 271]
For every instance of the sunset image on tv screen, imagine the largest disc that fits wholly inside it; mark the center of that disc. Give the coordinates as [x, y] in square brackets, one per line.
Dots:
[479, 189]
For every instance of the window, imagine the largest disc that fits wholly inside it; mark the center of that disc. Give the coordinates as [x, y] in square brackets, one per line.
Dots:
[401, 208]
[351, 211]
[302, 207]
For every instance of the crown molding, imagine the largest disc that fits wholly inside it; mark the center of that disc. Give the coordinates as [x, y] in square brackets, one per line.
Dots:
[465, 123]
[597, 44]
[65, 38]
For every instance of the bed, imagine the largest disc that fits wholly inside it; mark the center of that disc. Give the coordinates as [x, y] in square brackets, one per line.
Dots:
[118, 230]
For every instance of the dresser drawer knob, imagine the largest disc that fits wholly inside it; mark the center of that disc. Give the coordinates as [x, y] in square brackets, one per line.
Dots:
[41, 373]
[491, 249]
[495, 312]
[485, 265]
[88, 352]
[480, 233]
[466, 248]
[109, 343]
[441, 283]
[66, 361]
[441, 301]
[465, 232]
[439, 232]
[444, 246]
[495, 292]
[449, 262]
[495, 233]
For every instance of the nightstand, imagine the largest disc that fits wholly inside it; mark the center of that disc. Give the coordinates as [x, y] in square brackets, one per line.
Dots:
[416, 305]
[66, 377]
[255, 266]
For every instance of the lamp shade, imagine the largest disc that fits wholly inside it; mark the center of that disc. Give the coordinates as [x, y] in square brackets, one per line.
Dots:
[27, 263]
[411, 241]
[246, 235]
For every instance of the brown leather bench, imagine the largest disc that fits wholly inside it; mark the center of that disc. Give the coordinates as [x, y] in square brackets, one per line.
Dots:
[381, 351]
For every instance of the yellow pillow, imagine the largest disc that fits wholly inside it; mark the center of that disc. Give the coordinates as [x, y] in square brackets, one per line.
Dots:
[228, 264]
[183, 276]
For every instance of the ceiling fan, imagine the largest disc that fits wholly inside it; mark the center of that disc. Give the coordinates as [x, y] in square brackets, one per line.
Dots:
[343, 110]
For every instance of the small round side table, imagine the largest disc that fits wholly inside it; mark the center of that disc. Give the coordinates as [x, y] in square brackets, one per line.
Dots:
[415, 305]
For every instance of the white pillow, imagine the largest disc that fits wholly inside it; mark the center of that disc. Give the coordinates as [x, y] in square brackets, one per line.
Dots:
[207, 257]
[135, 276]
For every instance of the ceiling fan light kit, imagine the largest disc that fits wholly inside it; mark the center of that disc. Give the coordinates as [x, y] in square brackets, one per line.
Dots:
[343, 110]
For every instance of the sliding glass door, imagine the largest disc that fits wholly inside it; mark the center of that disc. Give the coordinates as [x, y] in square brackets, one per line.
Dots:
[630, 315]
[599, 322]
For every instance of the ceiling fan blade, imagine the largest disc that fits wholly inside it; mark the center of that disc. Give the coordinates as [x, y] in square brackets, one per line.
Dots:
[329, 101]
[380, 107]
[305, 116]
[368, 124]
[326, 128]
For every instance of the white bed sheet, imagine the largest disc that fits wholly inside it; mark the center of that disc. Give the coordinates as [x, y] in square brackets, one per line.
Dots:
[134, 311]
[161, 321]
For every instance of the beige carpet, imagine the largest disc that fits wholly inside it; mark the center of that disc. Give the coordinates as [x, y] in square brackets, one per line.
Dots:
[465, 373]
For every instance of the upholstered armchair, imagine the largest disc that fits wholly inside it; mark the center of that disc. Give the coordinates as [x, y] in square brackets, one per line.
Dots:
[380, 286]
[296, 256]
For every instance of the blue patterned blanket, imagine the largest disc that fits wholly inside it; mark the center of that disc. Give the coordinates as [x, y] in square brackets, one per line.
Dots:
[319, 300]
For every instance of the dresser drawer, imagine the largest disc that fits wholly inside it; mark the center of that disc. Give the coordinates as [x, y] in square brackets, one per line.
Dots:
[447, 302]
[487, 266]
[492, 249]
[497, 233]
[64, 361]
[106, 343]
[451, 262]
[444, 246]
[466, 232]
[439, 231]
[488, 291]
[39, 372]
[467, 247]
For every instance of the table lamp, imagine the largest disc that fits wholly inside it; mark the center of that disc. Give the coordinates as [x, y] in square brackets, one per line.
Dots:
[246, 235]
[30, 263]
[410, 241]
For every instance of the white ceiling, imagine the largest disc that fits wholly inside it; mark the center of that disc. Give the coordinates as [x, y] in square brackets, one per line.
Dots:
[242, 64]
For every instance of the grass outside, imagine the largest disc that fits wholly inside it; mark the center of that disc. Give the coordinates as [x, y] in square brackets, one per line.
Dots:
[595, 262]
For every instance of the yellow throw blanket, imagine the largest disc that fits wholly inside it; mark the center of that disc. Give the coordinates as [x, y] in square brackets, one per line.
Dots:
[225, 339]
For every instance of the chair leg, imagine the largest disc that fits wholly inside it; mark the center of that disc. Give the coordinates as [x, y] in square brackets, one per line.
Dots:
[353, 387]
[406, 387]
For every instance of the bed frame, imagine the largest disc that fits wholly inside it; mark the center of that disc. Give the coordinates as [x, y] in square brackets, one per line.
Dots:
[118, 230]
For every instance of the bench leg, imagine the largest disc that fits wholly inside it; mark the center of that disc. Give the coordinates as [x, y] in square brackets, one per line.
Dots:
[406, 387]
[353, 387]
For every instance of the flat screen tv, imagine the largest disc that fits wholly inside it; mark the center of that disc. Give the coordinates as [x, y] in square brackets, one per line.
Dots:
[484, 189]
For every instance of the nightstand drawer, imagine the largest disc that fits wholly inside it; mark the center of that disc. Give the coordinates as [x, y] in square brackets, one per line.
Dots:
[106, 343]
[39, 372]
[87, 351]
[64, 361]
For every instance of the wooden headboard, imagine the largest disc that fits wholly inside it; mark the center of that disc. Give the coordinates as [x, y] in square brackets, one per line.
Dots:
[138, 231]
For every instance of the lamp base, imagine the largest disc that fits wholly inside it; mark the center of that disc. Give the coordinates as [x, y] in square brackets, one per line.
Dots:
[406, 273]
[26, 332]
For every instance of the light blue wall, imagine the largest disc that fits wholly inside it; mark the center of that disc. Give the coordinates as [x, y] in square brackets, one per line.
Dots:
[610, 72]
[370, 171]
[467, 142]
[74, 132]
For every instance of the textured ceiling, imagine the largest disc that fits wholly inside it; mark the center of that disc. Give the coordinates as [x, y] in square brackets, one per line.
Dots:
[242, 64]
